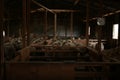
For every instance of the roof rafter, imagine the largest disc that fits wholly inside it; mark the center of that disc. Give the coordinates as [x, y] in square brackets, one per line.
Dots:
[55, 10]
[42, 6]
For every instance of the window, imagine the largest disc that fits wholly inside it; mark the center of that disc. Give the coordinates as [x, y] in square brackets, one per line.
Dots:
[115, 31]
[89, 30]
[3, 33]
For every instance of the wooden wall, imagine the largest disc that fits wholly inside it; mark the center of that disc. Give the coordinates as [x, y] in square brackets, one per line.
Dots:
[54, 71]
[1, 42]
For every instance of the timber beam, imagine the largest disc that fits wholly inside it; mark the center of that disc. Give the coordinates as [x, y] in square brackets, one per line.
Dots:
[55, 10]
[42, 6]
[105, 15]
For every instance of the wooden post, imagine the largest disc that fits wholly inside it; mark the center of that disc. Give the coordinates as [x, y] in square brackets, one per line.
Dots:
[87, 22]
[119, 32]
[66, 30]
[55, 25]
[20, 34]
[71, 24]
[99, 39]
[1, 42]
[64, 24]
[8, 28]
[106, 69]
[45, 27]
[8, 24]
[26, 23]
[100, 29]
[117, 21]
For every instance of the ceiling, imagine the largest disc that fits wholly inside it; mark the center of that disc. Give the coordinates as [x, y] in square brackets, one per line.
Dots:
[13, 8]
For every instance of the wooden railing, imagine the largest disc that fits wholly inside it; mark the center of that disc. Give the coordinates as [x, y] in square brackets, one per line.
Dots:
[25, 54]
[21, 68]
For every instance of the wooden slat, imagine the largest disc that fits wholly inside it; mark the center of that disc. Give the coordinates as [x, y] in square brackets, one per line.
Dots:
[58, 51]
[71, 63]
[55, 57]
[64, 10]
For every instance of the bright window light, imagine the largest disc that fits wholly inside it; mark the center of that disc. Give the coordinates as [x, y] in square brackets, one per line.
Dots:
[3, 33]
[89, 30]
[115, 31]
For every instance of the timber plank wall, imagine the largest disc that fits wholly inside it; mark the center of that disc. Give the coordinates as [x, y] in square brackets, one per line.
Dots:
[59, 70]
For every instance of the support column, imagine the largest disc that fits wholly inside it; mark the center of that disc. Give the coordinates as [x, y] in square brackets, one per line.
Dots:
[45, 27]
[1, 42]
[119, 31]
[99, 39]
[55, 25]
[8, 28]
[64, 24]
[71, 24]
[26, 23]
[8, 24]
[100, 28]
[87, 23]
